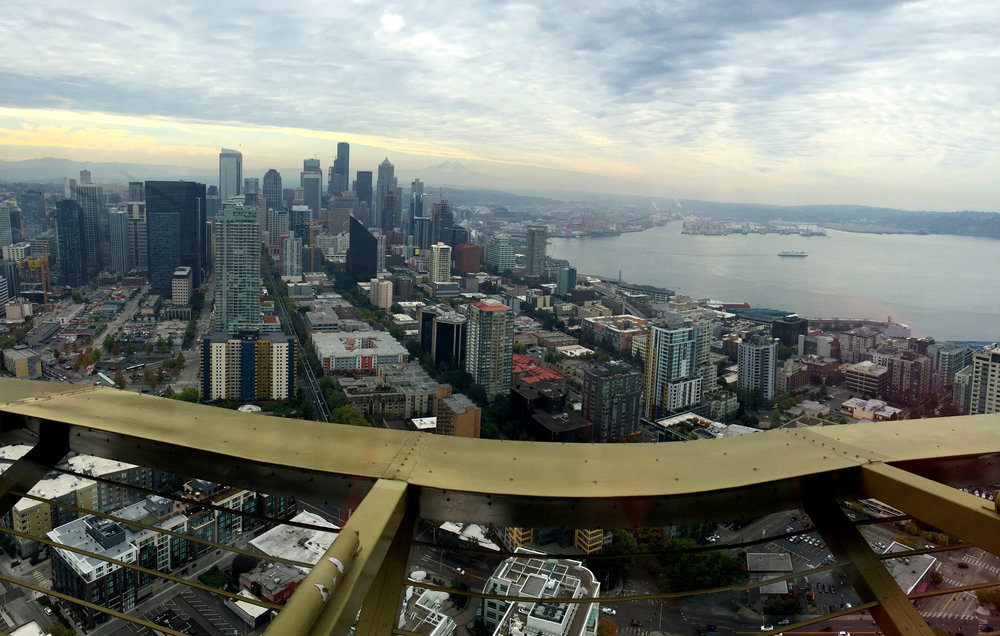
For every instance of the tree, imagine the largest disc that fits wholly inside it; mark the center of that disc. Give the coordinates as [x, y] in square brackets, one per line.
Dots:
[347, 414]
[936, 578]
[108, 343]
[150, 377]
[606, 627]
[77, 298]
[989, 595]
[120, 380]
[58, 629]
[190, 394]
[149, 348]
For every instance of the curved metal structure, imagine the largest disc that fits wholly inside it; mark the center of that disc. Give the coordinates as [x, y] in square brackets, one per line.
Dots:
[396, 477]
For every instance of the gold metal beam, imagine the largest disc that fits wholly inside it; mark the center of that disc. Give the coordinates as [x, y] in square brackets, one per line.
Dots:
[961, 514]
[895, 614]
[376, 522]
[380, 611]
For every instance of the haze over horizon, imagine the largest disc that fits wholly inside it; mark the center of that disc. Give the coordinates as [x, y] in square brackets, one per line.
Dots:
[877, 103]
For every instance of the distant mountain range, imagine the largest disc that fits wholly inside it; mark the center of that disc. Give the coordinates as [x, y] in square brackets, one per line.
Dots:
[53, 170]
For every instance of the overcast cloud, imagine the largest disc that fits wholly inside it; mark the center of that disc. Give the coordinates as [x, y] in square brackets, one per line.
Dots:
[891, 103]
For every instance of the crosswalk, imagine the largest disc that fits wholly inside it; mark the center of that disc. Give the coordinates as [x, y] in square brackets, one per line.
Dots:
[41, 579]
[982, 565]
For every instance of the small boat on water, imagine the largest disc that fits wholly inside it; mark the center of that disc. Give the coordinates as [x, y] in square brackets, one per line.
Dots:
[792, 253]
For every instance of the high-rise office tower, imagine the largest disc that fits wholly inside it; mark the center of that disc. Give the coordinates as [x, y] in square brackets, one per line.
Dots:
[363, 186]
[6, 229]
[671, 379]
[237, 269]
[91, 199]
[32, 204]
[69, 189]
[312, 185]
[300, 219]
[362, 255]
[230, 173]
[416, 205]
[85, 177]
[443, 217]
[291, 255]
[339, 175]
[70, 240]
[611, 400]
[272, 189]
[490, 346]
[136, 191]
[385, 194]
[757, 358]
[440, 263]
[175, 231]
[985, 394]
[118, 223]
[138, 242]
[537, 236]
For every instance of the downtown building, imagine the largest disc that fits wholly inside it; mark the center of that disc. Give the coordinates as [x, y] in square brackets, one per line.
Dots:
[673, 378]
[757, 358]
[535, 241]
[984, 388]
[612, 396]
[230, 174]
[237, 266]
[490, 346]
[175, 231]
[248, 367]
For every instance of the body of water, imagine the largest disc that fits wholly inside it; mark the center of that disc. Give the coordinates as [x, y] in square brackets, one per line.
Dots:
[947, 287]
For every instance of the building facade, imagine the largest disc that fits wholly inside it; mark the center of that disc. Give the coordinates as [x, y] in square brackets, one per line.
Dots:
[985, 391]
[757, 359]
[490, 346]
[612, 394]
[535, 241]
[237, 265]
[230, 174]
[249, 367]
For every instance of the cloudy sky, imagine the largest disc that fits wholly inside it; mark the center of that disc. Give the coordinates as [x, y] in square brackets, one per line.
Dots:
[862, 101]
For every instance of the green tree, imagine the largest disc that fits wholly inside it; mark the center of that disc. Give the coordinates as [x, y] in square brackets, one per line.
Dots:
[77, 298]
[347, 414]
[108, 343]
[190, 394]
[58, 629]
[148, 348]
[989, 595]
[120, 380]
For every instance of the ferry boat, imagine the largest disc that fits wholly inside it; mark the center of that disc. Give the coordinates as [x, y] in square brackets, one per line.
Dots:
[792, 253]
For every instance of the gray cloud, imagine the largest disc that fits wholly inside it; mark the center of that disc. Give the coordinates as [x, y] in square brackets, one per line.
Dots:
[718, 89]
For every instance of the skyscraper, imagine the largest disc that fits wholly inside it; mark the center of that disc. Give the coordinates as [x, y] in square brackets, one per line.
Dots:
[32, 204]
[341, 170]
[985, 394]
[71, 272]
[136, 191]
[85, 177]
[312, 185]
[362, 255]
[272, 189]
[138, 242]
[230, 173]
[385, 195]
[443, 218]
[237, 267]
[416, 205]
[611, 400]
[118, 222]
[500, 254]
[6, 230]
[251, 190]
[291, 255]
[363, 186]
[757, 358]
[175, 230]
[440, 263]
[490, 349]
[536, 238]
[671, 380]
[91, 199]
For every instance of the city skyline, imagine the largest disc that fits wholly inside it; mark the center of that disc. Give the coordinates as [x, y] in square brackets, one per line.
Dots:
[888, 103]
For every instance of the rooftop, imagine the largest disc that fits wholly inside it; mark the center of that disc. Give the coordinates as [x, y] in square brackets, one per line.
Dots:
[294, 543]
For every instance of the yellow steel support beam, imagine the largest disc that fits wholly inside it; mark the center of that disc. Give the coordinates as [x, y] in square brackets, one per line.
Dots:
[894, 613]
[376, 522]
[961, 514]
[380, 611]
[312, 595]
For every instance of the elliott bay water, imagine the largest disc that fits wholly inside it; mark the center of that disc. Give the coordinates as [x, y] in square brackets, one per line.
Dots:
[943, 286]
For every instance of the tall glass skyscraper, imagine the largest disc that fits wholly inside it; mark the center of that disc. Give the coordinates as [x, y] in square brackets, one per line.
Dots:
[341, 170]
[272, 189]
[230, 173]
[91, 199]
[175, 222]
[71, 271]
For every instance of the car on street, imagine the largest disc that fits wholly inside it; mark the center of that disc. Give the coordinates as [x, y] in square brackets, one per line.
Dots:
[784, 621]
[635, 623]
[609, 611]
